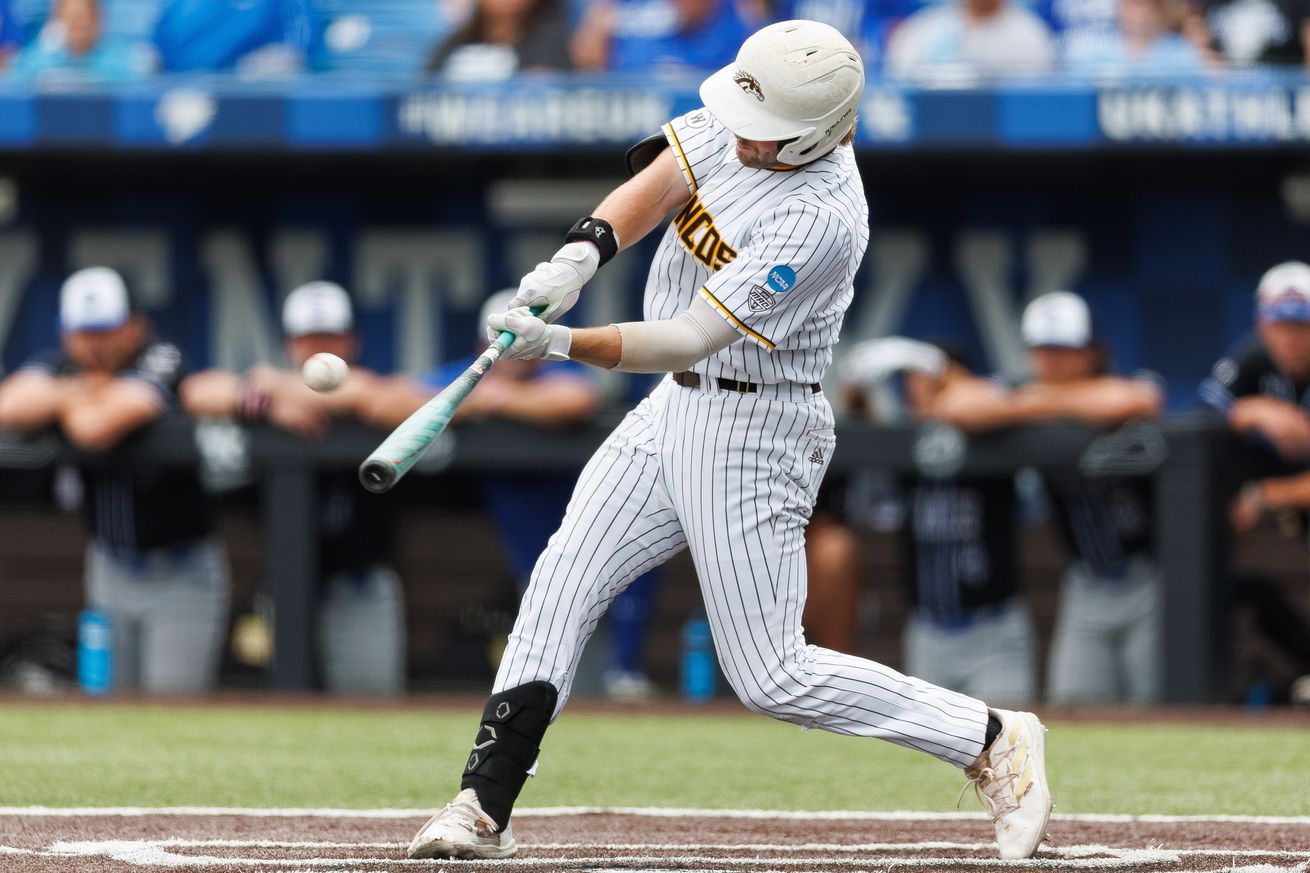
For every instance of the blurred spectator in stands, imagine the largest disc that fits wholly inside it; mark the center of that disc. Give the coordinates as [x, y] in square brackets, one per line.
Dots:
[1081, 26]
[528, 507]
[8, 34]
[252, 37]
[1252, 32]
[866, 23]
[360, 621]
[1106, 643]
[503, 37]
[968, 626]
[971, 39]
[1147, 41]
[660, 36]
[1262, 387]
[72, 48]
[152, 563]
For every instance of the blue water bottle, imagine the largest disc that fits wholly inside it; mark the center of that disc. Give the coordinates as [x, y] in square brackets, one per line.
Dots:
[699, 667]
[95, 652]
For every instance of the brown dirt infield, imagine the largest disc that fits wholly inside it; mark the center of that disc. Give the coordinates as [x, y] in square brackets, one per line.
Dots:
[39, 843]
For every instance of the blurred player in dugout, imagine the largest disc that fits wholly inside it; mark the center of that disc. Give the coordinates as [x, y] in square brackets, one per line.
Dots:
[360, 622]
[1262, 388]
[1106, 643]
[152, 563]
[968, 629]
[527, 507]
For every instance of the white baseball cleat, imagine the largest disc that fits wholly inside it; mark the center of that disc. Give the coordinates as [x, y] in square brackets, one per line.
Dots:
[1010, 780]
[463, 830]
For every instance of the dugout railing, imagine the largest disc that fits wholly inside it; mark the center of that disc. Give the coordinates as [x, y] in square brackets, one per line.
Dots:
[1183, 456]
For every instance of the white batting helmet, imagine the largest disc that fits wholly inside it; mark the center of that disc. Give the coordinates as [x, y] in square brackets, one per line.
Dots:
[794, 81]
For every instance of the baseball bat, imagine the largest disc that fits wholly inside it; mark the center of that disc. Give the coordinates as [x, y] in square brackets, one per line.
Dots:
[402, 448]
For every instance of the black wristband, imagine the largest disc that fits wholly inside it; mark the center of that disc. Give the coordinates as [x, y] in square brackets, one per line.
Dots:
[598, 232]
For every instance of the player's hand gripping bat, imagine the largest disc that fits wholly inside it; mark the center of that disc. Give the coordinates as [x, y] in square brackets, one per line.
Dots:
[401, 450]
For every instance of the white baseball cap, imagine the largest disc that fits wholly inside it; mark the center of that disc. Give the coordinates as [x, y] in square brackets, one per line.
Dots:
[1284, 293]
[317, 307]
[93, 299]
[1060, 319]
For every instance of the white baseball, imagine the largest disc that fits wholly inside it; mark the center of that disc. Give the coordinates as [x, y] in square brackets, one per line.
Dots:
[324, 372]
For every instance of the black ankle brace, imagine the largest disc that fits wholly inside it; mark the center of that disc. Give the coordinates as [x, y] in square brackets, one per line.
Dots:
[513, 723]
[993, 731]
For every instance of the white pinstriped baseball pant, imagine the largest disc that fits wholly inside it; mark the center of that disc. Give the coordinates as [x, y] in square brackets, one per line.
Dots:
[732, 477]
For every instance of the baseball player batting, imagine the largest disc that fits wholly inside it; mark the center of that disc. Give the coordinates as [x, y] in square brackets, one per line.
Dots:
[743, 304]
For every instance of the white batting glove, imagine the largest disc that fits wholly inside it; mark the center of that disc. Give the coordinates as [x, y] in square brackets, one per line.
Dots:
[555, 284]
[873, 361]
[533, 338]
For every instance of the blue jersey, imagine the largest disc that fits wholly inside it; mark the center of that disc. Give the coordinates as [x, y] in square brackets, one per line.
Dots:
[213, 35]
[112, 60]
[866, 23]
[8, 28]
[526, 508]
[647, 39]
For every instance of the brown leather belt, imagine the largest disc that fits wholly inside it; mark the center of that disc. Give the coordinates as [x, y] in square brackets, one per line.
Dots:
[688, 379]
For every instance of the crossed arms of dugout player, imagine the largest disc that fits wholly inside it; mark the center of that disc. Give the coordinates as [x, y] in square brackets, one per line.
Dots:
[623, 218]
[1287, 426]
[95, 411]
[975, 404]
[282, 398]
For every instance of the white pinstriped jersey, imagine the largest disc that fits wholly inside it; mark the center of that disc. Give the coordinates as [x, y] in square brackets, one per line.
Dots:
[773, 251]
[732, 476]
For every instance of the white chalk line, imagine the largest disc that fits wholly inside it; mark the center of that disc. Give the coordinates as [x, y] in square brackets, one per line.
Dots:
[926, 845]
[155, 853]
[638, 811]
[152, 855]
[157, 856]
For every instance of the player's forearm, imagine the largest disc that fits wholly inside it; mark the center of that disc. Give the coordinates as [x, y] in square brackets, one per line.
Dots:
[977, 405]
[1100, 402]
[99, 420]
[393, 401]
[1249, 413]
[350, 400]
[211, 394]
[660, 346]
[29, 401]
[1286, 492]
[598, 346]
[640, 204]
[552, 402]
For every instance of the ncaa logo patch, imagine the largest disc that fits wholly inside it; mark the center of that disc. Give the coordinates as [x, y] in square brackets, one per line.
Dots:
[760, 299]
[781, 278]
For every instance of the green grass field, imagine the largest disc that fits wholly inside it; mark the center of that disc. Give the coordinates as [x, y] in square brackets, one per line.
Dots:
[155, 755]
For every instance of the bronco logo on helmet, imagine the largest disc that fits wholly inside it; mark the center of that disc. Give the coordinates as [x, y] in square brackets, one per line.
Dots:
[748, 83]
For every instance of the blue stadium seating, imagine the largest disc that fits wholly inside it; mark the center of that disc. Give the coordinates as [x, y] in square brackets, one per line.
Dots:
[401, 32]
[402, 35]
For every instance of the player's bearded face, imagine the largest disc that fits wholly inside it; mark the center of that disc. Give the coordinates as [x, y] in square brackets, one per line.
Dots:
[1054, 365]
[757, 155]
[1288, 343]
[108, 350]
[302, 348]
